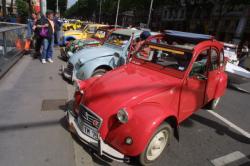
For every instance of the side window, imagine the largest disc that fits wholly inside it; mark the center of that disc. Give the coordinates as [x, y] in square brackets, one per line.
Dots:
[200, 65]
[214, 60]
[92, 29]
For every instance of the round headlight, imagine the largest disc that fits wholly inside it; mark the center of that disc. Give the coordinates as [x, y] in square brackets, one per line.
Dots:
[122, 115]
[77, 87]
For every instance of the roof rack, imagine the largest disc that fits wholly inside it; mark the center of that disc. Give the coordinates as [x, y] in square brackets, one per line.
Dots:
[188, 37]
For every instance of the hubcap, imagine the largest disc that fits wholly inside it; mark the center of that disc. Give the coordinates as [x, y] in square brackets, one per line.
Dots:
[157, 145]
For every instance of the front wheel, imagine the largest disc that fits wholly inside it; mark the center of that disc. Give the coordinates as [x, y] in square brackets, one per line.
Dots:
[159, 141]
[99, 73]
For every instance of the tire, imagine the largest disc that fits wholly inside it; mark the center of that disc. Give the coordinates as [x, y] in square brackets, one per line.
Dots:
[213, 104]
[99, 72]
[163, 132]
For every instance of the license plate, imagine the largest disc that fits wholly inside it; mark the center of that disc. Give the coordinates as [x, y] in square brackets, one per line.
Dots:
[87, 130]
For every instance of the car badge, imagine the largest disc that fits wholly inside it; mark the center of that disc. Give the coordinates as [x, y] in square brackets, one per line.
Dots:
[86, 115]
[95, 123]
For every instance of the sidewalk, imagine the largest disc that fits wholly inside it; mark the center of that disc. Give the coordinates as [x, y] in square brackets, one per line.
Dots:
[29, 135]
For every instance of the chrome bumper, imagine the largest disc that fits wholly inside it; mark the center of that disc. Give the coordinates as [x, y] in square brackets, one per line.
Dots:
[100, 146]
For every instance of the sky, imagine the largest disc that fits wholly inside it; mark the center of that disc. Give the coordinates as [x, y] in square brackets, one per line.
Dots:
[71, 2]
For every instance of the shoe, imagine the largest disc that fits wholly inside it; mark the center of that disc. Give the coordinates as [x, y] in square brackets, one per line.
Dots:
[50, 60]
[43, 61]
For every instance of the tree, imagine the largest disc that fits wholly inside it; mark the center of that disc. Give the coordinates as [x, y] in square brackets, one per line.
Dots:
[82, 8]
[62, 5]
[22, 9]
[4, 7]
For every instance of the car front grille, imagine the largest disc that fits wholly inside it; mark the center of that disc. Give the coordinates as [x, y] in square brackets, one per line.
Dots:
[90, 117]
[70, 68]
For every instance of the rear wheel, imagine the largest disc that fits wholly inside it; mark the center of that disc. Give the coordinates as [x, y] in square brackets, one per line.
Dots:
[99, 72]
[159, 141]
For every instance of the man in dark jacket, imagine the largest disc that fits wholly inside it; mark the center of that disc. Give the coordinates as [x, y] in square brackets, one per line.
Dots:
[48, 41]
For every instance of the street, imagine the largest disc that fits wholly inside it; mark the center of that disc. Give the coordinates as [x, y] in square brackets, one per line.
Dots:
[32, 125]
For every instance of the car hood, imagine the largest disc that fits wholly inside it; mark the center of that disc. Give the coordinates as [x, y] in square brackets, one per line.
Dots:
[72, 32]
[127, 86]
[89, 53]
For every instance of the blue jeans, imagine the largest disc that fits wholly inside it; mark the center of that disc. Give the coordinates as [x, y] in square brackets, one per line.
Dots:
[48, 45]
[57, 38]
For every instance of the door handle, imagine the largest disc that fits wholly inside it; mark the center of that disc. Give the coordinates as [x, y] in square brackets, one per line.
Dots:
[201, 77]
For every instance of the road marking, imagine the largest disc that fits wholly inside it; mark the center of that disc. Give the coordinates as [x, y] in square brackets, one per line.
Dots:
[230, 124]
[229, 158]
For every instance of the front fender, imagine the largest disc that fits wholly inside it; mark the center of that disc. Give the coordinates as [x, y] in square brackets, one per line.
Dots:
[86, 71]
[145, 120]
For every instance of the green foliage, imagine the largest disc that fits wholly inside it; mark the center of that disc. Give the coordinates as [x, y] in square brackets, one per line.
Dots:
[62, 5]
[82, 8]
[22, 8]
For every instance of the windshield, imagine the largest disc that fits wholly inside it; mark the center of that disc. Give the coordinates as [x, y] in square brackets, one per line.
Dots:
[100, 34]
[118, 40]
[167, 57]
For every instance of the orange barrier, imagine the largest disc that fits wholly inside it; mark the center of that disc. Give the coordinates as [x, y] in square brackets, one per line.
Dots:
[27, 45]
[19, 44]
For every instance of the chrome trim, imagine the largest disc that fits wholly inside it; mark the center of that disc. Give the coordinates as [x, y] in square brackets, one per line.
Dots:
[100, 146]
[96, 116]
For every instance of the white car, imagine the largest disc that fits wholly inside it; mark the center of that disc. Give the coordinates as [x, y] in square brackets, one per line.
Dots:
[230, 51]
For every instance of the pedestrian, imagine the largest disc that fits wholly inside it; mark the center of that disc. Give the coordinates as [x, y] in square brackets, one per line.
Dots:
[38, 39]
[30, 31]
[58, 25]
[48, 38]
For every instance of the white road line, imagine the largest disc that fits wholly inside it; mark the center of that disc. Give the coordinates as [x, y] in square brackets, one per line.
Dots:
[243, 132]
[229, 158]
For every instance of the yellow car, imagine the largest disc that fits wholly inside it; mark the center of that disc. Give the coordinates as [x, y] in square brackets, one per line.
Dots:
[88, 31]
[73, 25]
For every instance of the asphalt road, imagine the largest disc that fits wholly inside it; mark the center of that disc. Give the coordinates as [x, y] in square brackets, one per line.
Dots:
[29, 136]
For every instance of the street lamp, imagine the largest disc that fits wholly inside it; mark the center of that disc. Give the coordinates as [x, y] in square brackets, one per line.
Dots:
[57, 10]
[150, 10]
[100, 11]
[117, 12]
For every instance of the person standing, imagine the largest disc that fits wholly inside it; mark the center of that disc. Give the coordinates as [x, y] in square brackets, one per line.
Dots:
[48, 41]
[37, 37]
[30, 31]
[57, 29]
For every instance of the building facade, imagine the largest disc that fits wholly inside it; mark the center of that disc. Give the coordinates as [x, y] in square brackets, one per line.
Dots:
[227, 21]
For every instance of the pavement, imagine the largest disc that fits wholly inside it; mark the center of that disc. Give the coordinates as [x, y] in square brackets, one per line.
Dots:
[29, 135]
[32, 128]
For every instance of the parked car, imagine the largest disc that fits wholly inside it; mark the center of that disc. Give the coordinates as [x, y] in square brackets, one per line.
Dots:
[134, 111]
[87, 32]
[97, 39]
[230, 52]
[73, 25]
[95, 61]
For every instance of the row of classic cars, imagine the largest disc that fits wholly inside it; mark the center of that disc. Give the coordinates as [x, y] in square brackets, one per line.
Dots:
[135, 109]
[86, 32]
[95, 61]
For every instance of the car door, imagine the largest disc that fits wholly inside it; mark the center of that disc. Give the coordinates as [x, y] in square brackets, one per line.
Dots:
[213, 74]
[194, 86]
